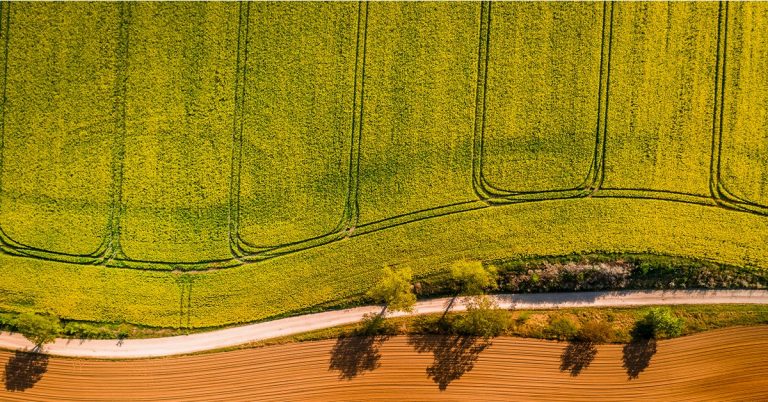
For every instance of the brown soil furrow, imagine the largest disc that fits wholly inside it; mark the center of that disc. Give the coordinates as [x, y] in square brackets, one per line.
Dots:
[724, 365]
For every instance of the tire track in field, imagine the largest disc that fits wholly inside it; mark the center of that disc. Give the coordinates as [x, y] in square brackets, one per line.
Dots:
[352, 210]
[720, 192]
[118, 152]
[594, 176]
[718, 188]
[724, 365]
[242, 249]
[12, 246]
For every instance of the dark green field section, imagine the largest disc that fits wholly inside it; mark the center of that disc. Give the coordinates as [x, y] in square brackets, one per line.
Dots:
[744, 158]
[297, 119]
[418, 108]
[661, 97]
[178, 140]
[59, 124]
[542, 95]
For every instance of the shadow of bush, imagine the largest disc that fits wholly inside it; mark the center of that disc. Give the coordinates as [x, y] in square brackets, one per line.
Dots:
[577, 356]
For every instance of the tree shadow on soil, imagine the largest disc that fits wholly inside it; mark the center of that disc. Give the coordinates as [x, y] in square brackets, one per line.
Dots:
[638, 352]
[24, 369]
[454, 355]
[577, 356]
[353, 355]
[358, 352]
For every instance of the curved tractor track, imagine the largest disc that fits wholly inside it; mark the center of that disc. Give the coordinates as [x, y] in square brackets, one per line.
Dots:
[719, 365]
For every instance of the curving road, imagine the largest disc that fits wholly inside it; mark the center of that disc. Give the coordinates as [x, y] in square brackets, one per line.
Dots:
[176, 345]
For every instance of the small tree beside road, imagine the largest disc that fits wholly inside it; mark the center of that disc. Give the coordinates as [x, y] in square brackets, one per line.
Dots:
[472, 278]
[395, 290]
[659, 323]
[38, 329]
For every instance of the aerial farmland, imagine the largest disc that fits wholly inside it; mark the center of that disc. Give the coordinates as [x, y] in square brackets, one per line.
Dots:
[399, 198]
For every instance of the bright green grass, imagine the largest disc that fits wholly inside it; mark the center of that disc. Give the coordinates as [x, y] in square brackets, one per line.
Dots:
[661, 96]
[178, 140]
[330, 274]
[745, 122]
[59, 124]
[418, 108]
[297, 120]
[542, 94]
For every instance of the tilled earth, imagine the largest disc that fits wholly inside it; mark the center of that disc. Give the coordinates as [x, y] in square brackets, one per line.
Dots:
[723, 365]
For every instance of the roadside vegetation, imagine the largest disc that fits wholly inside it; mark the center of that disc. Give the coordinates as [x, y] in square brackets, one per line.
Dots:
[598, 325]
[399, 288]
[606, 271]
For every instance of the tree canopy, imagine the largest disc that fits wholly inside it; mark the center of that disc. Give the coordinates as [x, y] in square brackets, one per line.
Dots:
[660, 323]
[395, 290]
[472, 278]
[38, 329]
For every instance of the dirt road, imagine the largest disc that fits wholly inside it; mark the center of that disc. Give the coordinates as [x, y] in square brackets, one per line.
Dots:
[141, 348]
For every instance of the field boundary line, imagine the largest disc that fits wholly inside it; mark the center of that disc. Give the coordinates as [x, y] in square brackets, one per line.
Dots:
[230, 337]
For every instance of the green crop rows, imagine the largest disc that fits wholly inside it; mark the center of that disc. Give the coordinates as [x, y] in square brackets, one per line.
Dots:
[146, 146]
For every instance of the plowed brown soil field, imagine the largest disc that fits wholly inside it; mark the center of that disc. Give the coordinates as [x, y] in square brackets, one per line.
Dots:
[723, 364]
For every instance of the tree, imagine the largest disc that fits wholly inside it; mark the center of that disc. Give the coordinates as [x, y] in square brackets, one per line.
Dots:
[38, 329]
[395, 290]
[659, 323]
[471, 278]
[483, 318]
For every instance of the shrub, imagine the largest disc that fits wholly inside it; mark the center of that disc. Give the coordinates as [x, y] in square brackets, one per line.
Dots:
[483, 318]
[659, 322]
[374, 324]
[562, 328]
[595, 331]
[87, 331]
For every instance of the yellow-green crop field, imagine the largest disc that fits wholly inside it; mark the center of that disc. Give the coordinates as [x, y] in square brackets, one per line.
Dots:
[202, 164]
